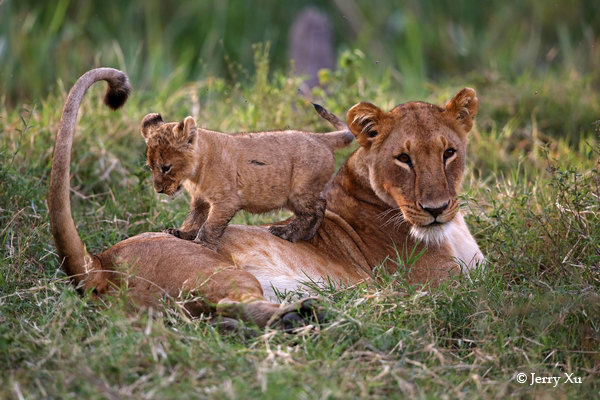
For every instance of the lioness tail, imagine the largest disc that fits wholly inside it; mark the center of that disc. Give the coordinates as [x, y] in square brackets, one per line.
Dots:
[70, 248]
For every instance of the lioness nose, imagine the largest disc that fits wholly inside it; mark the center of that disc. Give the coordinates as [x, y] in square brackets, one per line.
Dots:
[435, 212]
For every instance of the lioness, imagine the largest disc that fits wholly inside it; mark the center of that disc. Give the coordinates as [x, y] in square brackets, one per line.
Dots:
[410, 159]
[256, 172]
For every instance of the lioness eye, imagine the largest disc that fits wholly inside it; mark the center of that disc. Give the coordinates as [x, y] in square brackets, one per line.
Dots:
[404, 158]
[449, 153]
[166, 168]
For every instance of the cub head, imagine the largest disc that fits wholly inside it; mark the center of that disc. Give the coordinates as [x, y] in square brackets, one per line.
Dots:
[415, 158]
[170, 151]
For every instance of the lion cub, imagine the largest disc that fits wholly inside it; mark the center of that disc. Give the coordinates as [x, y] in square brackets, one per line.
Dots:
[256, 172]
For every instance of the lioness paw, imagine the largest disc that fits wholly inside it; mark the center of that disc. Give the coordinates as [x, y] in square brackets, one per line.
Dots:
[302, 313]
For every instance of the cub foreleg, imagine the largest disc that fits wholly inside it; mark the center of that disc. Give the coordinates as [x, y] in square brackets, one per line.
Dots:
[196, 217]
[218, 217]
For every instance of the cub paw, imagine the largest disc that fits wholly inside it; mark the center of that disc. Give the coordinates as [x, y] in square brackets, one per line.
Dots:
[286, 232]
[202, 241]
[178, 233]
[292, 233]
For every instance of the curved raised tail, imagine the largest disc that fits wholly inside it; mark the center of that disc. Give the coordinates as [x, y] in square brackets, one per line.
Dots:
[339, 139]
[71, 250]
[330, 117]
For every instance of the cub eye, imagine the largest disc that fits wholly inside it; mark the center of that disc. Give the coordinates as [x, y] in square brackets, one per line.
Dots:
[404, 158]
[449, 153]
[165, 168]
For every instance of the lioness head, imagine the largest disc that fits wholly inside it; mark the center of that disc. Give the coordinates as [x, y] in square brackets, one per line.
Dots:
[415, 157]
[170, 151]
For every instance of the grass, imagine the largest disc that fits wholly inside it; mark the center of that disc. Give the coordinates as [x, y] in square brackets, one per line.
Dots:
[532, 199]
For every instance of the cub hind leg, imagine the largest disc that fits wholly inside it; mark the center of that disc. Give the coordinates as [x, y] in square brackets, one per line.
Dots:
[309, 212]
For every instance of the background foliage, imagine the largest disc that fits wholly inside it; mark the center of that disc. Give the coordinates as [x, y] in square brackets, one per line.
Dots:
[531, 195]
[412, 40]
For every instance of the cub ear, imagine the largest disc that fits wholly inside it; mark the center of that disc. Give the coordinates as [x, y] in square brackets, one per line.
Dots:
[150, 121]
[188, 133]
[463, 108]
[362, 119]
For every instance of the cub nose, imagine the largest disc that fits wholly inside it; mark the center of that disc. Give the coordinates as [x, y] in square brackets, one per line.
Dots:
[435, 212]
[159, 189]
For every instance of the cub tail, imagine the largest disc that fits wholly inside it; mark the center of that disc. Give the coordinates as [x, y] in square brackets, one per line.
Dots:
[72, 254]
[339, 139]
[330, 117]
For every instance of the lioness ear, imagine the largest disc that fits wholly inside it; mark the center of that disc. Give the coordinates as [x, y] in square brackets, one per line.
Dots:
[149, 121]
[189, 130]
[362, 119]
[463, 108]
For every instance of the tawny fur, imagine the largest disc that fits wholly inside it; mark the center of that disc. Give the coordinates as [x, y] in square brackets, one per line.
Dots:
[363, 225]
[256, 172]
[421, 170]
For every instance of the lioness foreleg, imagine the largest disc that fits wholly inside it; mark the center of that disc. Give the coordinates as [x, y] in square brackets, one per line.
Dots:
[264, 313]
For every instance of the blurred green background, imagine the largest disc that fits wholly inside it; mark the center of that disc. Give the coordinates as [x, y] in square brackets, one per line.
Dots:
[412, 42]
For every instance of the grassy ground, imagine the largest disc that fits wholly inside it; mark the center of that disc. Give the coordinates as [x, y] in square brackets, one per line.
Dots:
[531, 193]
